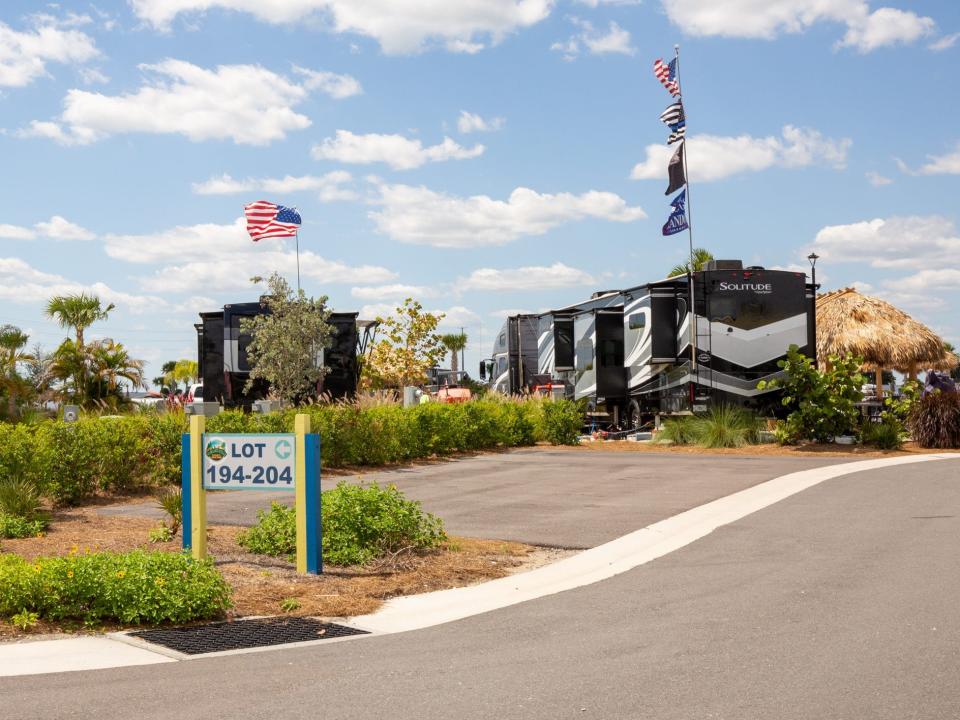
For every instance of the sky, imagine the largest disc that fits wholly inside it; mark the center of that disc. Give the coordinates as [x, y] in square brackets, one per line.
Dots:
[485, 157]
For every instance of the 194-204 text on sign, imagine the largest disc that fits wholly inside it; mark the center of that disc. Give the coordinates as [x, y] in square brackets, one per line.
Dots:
[248, 462]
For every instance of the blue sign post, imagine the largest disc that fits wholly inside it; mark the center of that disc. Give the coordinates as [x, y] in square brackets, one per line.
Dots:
[246, 461]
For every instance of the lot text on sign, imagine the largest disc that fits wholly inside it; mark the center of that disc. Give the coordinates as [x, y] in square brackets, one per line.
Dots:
[248, 462]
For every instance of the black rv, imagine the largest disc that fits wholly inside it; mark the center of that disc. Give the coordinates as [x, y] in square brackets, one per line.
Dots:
[645, 351]
[222, 353]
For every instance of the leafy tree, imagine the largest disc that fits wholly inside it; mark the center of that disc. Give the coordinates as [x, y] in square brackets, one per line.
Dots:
[701, 257]
[821, 402]
[77, 311]
[409, 349]
[287, 344]
[40, 372]
[454, 342]
[12, 356]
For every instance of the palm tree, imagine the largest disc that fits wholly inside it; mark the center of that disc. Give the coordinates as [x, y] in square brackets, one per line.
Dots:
[12, 342]
[454, 342]
[701, 257]
[69, 365]
[111, 361]
[77, 311]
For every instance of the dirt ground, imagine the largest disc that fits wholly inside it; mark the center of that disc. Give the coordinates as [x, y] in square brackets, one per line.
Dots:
[270, 586]
[765, 449]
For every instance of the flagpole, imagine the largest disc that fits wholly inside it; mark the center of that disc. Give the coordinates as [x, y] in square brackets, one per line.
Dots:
[297, 236]
[686, 173]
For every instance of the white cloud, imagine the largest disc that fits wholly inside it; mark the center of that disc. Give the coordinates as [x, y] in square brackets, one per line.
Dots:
[714, 157]
[399, 26]
[398, 152]
[397, 290]
[60, 228]
[886, 26]
[906, 242]
[423, 216]
[616, 40]
[24, 55]
[16, 232]
[866, 31]
[245, 103]
[945, 43]
[208, 257]
[946, 164]
[56, 228]
[598, 3]
[878, 180]
[334, 85]
[330, 187]
[92, 76]
[549, 277]
[23, 284]
[469, 122]
[925, 280]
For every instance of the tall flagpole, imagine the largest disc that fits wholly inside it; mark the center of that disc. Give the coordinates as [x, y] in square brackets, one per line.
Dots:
[694, 329]
[296, 234]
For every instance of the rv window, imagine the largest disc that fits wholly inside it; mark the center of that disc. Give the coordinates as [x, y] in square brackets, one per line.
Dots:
[637, 321]
[501, 366]
[611, 353]
[502, 341]
[584, 355]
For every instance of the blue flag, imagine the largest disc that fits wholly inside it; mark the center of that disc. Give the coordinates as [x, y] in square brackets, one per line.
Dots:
[677, 222]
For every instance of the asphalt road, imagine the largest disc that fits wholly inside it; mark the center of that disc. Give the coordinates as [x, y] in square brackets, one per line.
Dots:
[554, 497]
[838, 603]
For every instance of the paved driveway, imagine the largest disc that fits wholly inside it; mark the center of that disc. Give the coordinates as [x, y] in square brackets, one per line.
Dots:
[555, 497]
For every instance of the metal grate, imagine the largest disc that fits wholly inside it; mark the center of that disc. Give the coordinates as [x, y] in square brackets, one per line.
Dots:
[243, 634]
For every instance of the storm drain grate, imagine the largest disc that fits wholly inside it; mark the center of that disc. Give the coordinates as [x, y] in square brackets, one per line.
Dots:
[243, 634]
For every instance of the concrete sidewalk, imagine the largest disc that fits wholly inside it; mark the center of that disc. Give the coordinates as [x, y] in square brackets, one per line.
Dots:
[542, 496]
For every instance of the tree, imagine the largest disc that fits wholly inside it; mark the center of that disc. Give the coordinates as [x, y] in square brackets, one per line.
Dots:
[410, 348]
[287, 344]
[177, 371]
[111, 362]
[77, 311]
[454, 343]
[12, 355]
[700, 258]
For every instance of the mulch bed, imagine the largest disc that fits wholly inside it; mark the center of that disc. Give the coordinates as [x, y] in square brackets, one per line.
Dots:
[261, 584]
[765, 449]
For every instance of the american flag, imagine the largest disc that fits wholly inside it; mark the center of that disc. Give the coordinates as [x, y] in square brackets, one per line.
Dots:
[267, 220]
[667, 74]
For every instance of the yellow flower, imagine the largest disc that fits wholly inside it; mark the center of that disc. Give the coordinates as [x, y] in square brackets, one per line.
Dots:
[69, 573]
[121, 573]
[159, 581]
[37, 567]
[74, 550]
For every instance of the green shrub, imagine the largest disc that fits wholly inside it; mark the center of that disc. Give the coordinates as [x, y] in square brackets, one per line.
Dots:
[562, 422]
[132, 588]
[725, 426]
[935, 420]
[170, 500]
[15, 526]
[274, 534]
[886, 435]
[359, 525]
[678, 430]
[820, 402]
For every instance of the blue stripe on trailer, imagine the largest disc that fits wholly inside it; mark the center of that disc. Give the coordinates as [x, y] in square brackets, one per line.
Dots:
[314, 504]
[186, 519]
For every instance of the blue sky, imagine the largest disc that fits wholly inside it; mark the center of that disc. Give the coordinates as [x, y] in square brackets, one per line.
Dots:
[484, 156]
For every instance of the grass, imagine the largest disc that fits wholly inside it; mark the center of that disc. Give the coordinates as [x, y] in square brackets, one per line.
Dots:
[724, 426]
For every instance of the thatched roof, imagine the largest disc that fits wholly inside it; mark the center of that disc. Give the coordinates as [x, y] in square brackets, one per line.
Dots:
[849, 323]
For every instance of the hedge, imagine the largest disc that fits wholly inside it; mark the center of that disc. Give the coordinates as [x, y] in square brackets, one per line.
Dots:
[132, 588]
[69, 462]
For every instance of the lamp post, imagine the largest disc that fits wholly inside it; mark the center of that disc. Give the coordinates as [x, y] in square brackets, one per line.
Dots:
[813, 257]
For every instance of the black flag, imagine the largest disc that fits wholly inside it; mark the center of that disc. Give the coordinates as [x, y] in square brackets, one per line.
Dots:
[675, 171]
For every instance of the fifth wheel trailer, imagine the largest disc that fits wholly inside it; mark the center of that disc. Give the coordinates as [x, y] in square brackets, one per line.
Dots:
[629, 354]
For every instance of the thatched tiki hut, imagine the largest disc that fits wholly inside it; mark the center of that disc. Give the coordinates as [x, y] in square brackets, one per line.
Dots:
[849, 323]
